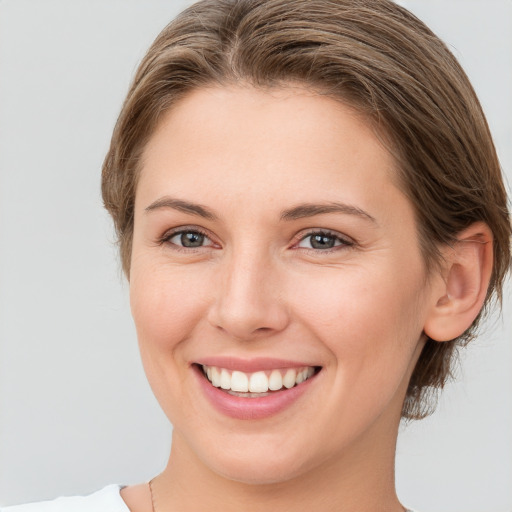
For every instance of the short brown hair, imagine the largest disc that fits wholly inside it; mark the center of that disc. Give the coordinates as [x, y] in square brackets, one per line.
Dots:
[371, 54]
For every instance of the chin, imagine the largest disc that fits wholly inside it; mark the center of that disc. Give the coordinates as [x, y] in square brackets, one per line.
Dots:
[259, 461]
[258, 473]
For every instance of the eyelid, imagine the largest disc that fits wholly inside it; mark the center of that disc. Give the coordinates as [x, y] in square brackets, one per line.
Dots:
[171, 233]
[345, 240]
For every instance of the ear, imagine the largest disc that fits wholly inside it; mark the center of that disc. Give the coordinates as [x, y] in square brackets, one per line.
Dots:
[460, 290]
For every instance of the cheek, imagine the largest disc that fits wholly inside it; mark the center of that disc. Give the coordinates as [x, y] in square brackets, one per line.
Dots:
[166, 304]
[166, 308]
[371, 324]
[367, 316]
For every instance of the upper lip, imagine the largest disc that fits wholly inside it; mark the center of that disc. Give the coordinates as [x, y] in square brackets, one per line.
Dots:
[250, 365]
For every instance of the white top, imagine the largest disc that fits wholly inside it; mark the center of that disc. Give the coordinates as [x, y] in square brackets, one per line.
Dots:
[107, 500]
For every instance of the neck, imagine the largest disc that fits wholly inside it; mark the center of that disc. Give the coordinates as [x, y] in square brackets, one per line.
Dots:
[362, 479]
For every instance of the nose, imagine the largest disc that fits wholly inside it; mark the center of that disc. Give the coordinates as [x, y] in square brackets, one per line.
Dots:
[250, 300]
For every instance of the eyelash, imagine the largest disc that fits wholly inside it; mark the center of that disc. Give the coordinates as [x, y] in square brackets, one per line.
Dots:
[340, 242]
[344, 242]
[169, 235]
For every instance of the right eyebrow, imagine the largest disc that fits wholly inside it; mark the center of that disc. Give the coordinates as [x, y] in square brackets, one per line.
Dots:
[182, 206]
[311, 209]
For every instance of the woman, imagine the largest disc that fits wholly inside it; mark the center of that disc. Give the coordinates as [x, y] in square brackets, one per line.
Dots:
[312, 218]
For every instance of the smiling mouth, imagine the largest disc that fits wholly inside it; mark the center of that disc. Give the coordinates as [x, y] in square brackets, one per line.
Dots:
[257, 384]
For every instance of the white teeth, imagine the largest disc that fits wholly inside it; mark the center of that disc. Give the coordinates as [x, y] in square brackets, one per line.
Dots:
[275, 380]
[225, 379]
[215, 377]
[289, 378]
[239, 382]
[257, 383]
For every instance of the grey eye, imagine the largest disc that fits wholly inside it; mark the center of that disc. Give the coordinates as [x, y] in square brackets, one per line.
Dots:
[189, 239]
[323, 241]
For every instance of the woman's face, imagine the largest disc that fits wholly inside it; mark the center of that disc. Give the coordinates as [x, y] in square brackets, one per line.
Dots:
[271, 245]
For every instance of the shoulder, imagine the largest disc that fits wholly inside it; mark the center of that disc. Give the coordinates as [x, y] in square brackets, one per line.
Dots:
[107, 500]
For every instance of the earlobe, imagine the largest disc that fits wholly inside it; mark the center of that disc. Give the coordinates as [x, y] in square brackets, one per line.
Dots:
[461, 290]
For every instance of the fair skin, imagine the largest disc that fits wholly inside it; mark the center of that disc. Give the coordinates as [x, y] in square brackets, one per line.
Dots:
[232, 267]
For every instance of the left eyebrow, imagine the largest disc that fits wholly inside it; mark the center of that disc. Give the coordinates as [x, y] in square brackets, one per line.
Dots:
[310, 209]
[182, 206]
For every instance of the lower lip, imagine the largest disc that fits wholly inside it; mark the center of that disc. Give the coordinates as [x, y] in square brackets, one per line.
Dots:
[244, 408]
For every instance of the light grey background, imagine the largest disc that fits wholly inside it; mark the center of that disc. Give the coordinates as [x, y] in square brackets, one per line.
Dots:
[75, 410]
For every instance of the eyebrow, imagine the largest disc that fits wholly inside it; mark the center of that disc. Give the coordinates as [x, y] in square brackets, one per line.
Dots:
[310, 209]
[182, 206]
[297, 212]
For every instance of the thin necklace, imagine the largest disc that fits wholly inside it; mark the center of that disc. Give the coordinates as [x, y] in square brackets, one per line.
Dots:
[151, 493]
[153, 500]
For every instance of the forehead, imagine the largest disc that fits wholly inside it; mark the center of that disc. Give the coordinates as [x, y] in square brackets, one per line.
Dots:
[284, 144]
